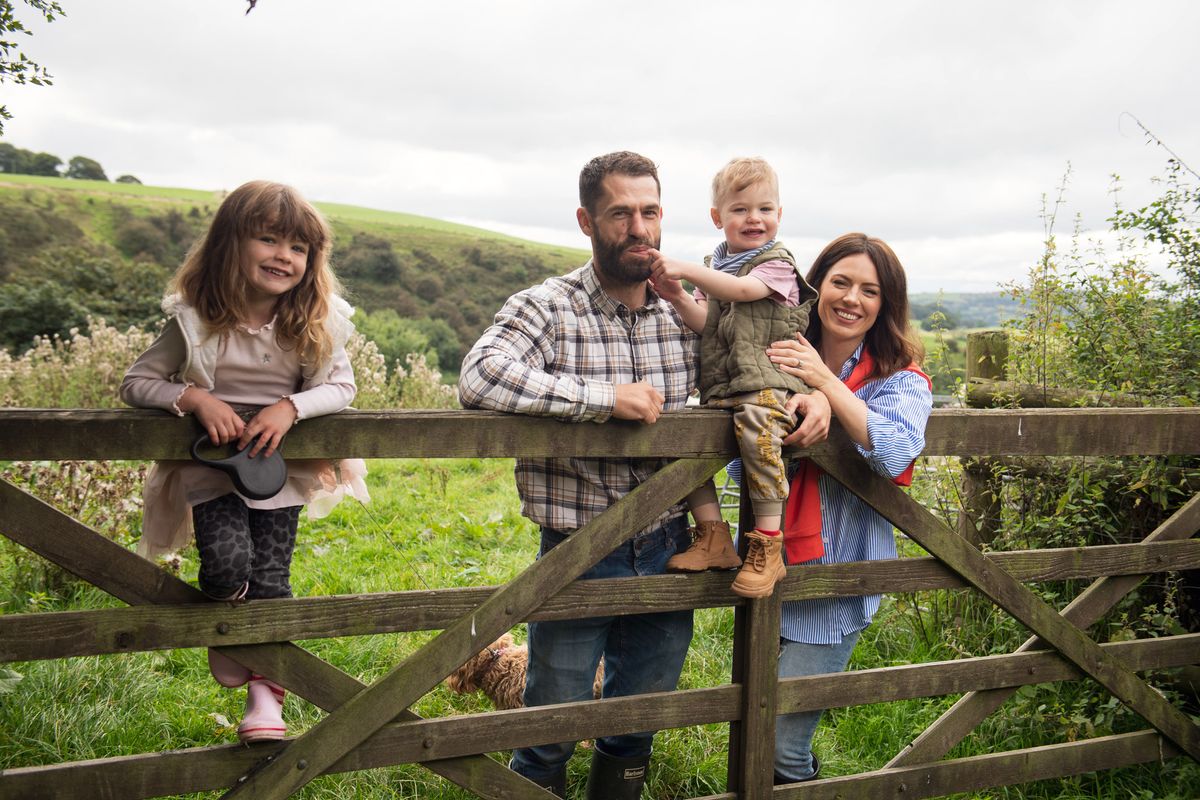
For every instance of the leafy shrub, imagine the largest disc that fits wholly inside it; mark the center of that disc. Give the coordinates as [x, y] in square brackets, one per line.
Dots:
[1105, 321]
[61, 287]
[1112, 323]
[80, 371]
[395, 336]
[32, 310]
[371, 258]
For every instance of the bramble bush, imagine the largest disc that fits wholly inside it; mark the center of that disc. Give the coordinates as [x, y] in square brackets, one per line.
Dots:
[1110, 322]
[1121, 318]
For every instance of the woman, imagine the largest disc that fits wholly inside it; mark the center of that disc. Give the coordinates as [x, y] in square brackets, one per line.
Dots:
[861, 354]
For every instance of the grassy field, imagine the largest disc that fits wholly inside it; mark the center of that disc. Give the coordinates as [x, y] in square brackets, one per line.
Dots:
[334, 211]
[61, 240]
[436, 523]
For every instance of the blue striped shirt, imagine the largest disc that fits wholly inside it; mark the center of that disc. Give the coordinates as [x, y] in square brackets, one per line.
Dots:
[898, 407]
[732, 264]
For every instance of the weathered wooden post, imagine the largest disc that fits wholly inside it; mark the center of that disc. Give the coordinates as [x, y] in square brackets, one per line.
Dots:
[756, 667]
[987, 356]
[979, 517]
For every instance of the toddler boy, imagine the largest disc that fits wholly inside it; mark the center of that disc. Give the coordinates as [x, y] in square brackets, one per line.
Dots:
[748, 294]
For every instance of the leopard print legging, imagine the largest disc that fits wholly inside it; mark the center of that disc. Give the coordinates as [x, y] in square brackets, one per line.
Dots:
[240, 545]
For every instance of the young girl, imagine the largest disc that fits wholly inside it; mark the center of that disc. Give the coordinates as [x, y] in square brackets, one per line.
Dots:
[255, 323]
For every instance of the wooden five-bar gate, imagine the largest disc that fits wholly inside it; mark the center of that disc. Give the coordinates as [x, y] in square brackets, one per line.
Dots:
[371, 726]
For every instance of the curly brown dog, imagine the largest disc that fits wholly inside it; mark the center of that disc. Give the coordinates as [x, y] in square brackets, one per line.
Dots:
[499, 670]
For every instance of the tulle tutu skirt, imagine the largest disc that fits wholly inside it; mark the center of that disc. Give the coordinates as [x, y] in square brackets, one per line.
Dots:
[173, 487]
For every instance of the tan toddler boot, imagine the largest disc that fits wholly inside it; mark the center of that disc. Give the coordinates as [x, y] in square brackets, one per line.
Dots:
[763, 568]
[711, 549]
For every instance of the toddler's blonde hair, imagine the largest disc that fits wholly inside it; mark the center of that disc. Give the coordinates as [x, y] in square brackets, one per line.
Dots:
[741, 173]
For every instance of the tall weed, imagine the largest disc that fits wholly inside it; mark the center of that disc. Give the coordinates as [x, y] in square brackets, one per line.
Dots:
[85, 371]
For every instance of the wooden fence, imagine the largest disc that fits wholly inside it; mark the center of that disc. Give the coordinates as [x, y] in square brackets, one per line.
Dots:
[371, 726]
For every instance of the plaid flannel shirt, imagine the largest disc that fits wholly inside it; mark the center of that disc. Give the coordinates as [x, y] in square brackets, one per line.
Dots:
[558, 350]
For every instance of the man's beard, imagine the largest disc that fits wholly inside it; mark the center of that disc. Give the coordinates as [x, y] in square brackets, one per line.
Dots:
[620, 266]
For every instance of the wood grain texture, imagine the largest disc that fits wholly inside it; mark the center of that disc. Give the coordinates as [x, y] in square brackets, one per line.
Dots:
[357, 719]
[1010, 594]
[450, 739]
[133, 434]
[956, 723]
[107, 565]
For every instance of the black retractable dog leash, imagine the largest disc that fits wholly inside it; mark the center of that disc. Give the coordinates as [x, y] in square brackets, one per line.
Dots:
[258, 478]
[263, 477]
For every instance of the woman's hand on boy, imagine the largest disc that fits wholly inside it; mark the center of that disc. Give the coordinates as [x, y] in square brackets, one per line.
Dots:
[216, 416]
[798, 357]
[269, 425]
[815, 413]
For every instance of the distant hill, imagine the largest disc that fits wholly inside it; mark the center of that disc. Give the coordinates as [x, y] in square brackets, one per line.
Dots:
[965, 309]
[74, 248]
[69, 248]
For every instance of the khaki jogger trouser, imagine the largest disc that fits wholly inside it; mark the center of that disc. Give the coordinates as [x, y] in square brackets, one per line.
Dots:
[760, 424]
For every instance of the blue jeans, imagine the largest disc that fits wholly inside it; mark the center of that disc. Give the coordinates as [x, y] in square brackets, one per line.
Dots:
[794, 732]
[642, 652]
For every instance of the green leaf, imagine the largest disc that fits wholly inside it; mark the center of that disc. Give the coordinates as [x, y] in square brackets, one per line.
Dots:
[9, 680]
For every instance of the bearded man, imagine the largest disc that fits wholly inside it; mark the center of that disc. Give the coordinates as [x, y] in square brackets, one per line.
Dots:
[594, 344]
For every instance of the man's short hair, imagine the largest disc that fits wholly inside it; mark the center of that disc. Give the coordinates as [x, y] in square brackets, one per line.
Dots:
[742, 173]
[622, 163]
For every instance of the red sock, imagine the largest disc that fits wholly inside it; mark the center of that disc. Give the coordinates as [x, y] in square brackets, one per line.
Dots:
[768, 533]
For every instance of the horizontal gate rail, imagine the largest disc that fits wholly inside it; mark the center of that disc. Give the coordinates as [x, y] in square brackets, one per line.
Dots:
[137, 434]
[29, 637]
[371, 726]
[986, 771]
[419, 741]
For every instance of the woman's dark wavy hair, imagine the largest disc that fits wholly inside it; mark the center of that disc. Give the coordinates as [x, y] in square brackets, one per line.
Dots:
[892, 340]
[211, 280]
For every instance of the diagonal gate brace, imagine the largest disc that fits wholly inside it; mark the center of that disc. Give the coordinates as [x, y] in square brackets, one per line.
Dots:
[127, 576]
[356, 720]
[1092, 603]
[1010, 594]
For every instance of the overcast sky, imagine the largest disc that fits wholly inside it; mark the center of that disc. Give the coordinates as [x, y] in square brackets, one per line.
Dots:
[937, 126]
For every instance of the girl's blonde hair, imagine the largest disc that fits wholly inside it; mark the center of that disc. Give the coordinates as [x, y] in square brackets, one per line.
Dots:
[211, 280]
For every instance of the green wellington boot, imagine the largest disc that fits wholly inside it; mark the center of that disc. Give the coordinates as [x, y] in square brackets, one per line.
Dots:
[613, 778]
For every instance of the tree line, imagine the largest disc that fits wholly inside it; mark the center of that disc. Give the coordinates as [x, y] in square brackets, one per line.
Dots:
[18, 161]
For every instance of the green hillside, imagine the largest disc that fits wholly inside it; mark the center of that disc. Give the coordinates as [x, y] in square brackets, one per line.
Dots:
[74, 248]
[70, 248]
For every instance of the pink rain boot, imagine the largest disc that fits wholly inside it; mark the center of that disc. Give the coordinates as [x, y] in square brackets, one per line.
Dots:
[263, 721]
[228, 672]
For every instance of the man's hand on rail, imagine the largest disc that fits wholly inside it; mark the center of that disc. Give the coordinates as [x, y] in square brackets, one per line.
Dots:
[638, 401]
